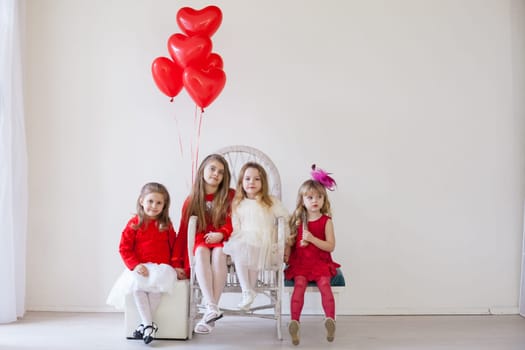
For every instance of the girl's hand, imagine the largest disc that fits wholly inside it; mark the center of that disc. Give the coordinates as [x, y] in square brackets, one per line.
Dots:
[213, 237]
[307, 238]
[181, 274]
[287, 251]
[142, 270]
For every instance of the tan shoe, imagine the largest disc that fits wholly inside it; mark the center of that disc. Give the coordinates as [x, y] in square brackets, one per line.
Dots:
[293, 328]
[329, 324]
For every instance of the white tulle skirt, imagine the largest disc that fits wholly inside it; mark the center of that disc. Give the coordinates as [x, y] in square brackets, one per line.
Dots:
[244, 252]
[253, 242]
[161, 278]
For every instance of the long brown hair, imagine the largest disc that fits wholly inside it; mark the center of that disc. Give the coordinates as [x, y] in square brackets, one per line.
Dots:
[163, 220]
[263, 196]
[221, 201]
[300, 211]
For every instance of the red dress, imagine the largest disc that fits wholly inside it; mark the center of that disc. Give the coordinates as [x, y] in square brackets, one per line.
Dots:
[311, 261]
[180, 252]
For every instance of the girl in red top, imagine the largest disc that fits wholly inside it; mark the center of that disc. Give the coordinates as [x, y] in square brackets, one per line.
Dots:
[209, 200]
[308, 255]
[145, 247]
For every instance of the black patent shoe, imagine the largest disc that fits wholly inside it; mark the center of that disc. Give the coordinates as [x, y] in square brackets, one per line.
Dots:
[149, 333]
[138, 333]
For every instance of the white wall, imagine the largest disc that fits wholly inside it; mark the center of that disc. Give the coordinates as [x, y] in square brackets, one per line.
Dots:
[415, 106]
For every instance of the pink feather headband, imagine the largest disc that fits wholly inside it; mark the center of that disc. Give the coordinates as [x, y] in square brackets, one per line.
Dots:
[323, 178]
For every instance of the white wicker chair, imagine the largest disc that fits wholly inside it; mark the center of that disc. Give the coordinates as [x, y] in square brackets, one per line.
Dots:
[270, 283]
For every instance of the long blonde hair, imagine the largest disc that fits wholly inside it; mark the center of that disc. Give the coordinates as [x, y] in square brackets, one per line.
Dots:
[300, 211]
[163, 220]
[263, 196]
[221, 201]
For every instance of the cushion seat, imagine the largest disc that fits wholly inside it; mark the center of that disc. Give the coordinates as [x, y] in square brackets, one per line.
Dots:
[337, 281]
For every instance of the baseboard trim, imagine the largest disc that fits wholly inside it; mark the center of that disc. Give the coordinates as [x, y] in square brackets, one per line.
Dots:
[500, 310]
[44, 308]
[429, 311]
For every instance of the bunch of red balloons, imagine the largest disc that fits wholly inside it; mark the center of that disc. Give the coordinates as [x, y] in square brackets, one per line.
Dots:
[193, 65]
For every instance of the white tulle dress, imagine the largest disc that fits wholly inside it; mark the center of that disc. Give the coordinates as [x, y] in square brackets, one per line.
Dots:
[161, 278]
[254, 228]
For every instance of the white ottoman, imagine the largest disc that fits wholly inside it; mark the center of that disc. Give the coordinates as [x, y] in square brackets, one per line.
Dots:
[171, 316]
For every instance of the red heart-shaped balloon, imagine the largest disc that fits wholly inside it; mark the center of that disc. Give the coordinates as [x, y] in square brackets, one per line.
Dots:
[204, 22]
[167, 75]
[189, 50]
[214, 60]
[203, 85]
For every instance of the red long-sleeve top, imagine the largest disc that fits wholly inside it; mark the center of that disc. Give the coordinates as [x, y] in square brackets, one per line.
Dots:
[180, 251]
[146, 243]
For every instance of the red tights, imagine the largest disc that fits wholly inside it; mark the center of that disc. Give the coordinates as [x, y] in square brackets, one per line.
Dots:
[327, 297]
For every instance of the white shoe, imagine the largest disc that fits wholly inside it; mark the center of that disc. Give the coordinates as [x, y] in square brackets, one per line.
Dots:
[247, 299]
[212, 313]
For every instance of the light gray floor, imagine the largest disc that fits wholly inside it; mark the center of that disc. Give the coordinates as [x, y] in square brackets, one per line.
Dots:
[93, 331]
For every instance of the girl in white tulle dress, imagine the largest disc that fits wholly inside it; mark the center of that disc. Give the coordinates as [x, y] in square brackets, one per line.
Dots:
[254, 216]
[145, 247]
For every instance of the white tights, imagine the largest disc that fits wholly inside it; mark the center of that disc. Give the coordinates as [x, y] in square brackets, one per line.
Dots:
[147, 303]
[210, 270]
[247, 277]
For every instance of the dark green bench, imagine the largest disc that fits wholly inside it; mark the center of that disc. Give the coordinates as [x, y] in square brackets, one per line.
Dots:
[337, 281]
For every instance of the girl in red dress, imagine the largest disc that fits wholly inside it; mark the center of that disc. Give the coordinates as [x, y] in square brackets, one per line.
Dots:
[308, 255]
[210, 200]
[145, 247]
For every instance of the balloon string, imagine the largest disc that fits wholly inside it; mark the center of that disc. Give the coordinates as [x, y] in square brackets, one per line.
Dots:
[192, 150]
[179, 135]
[195, 145]
[181, 147]
[198, 141]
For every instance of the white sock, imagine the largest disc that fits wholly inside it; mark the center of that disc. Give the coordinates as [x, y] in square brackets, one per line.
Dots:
[143, 306]
[154, 300]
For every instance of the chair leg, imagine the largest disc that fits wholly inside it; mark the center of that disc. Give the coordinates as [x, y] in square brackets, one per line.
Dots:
[193, 308]
[278, 316]
[279, 332]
